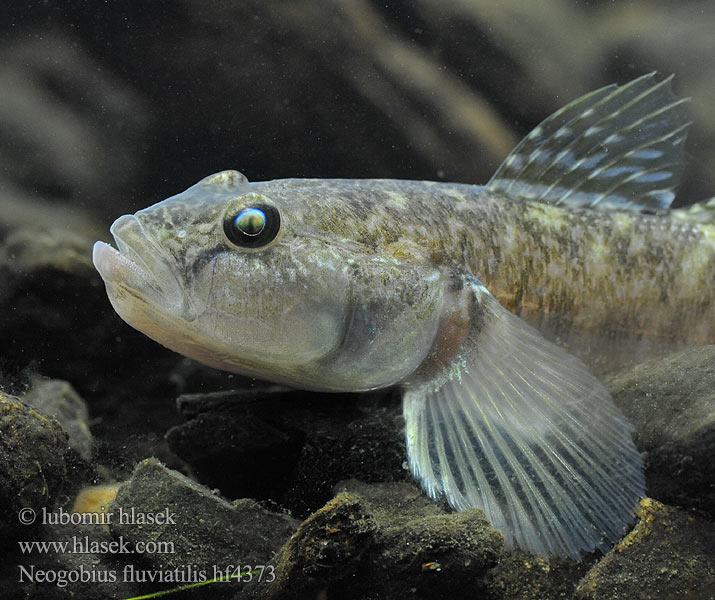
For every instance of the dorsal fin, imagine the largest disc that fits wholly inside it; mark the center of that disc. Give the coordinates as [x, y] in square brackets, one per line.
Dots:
[617, 148]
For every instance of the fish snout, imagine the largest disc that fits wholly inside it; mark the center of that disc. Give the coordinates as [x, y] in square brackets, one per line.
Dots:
[138, 263]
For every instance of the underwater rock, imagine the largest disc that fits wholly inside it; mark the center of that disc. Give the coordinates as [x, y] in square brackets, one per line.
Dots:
[81, 573]
[669, 554]
[28, 251]
[59, 400]
[521, 576]
[671, 402]
[50, 303]
[290, 446]
[22, 209]
[327, 548]
[95, 499]
[242, 441]
[419, 547]
[33, 467]
[56, 320]
[203, 530]
[384, 541]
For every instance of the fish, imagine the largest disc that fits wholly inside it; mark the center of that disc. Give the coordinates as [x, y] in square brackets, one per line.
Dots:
[489, 306]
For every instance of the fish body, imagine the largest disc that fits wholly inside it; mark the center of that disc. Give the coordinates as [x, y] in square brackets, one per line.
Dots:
[612, 286]
[475, 300]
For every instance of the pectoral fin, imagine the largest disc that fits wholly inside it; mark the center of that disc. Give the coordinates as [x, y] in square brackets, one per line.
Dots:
[518, 427]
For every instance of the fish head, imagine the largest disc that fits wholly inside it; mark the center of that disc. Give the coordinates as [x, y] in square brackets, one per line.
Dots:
[243, 277]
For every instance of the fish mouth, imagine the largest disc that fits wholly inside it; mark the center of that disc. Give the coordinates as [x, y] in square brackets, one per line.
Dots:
[137, 267]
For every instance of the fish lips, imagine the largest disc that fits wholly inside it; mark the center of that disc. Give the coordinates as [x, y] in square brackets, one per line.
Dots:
[139, 268]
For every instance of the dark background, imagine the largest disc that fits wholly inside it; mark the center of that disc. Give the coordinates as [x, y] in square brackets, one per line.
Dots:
[111, 106]
[108, 107]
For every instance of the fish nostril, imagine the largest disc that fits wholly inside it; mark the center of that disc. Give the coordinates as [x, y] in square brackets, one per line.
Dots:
[125, 228]
[136, 244]
[131, 240]
[125, 224]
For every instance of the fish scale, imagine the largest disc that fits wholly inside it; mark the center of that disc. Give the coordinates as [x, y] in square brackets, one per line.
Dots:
[490, 307]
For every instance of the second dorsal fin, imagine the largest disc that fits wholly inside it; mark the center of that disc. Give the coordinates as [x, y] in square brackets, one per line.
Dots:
[617, 148]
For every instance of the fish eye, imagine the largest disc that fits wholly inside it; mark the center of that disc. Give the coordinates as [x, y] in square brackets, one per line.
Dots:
[252, 226]
[250, 221]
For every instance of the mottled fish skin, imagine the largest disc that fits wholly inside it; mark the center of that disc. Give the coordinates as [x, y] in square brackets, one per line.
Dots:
[614, 287]
[353, 285]
[641, 278]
